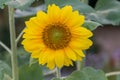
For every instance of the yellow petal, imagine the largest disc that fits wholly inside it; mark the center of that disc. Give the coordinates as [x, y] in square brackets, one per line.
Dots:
[32, 23]
[59, 58]
[76, 19]
[79, 58]
[80, 32]
[32, 28]
[80, 43]
[31, 36]
[51, 59]
[65, 14]
[53, 12]
[70, 53]
[36, 53]
[51, 65]
[42, 18]
[79, 52]
[31, 45]
[42, 57]
[47, 57]
[68, 62]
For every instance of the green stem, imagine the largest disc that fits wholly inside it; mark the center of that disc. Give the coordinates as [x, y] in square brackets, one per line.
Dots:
[13, 44]
[112, 73]
[5, 47]
[58, 73]
[19, 36]
[84, 1]
[78, 65]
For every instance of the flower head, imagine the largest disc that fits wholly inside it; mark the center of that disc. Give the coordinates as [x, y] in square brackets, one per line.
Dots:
[57, 37]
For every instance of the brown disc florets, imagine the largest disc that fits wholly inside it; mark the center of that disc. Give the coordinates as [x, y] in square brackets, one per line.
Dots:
[56, 36]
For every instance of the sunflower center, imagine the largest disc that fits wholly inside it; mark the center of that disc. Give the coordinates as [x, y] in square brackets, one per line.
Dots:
[56, 36]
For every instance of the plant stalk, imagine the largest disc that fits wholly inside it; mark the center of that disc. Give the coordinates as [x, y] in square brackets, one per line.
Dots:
[112, 73]
[5, 47]
[19, 36]
[58, 73]
[78, 65]
[13, 44]
[84, 1]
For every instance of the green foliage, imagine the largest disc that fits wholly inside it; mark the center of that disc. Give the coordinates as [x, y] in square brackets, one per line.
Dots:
[23, 56]
[107, 4]
[91, 25]
[4, 69]
[7, 77]
[118, 77]
[26, 71]
[2, 3]
[107, 12]
[21, 4]
[76, 4]
[33, 61]
[87, 74]
[1, 74]
[56, 79]
[30, 73]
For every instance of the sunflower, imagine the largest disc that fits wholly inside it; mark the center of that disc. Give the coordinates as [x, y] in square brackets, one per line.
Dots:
[56, 38]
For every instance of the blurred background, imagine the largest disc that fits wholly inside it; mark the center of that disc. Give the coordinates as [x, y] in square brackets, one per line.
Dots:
[104, 54]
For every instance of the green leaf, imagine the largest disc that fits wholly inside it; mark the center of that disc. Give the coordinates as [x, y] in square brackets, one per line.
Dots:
[56, 79]
[76, 4]
[2, 3]
[21, 4]
[31, 73]
[33, 61]
[77, 76]
[29, 12]
[7, 77]
[87, 74]
[107, 12]
[118, 77]
[5, 69]
[91, 25]
[1, 74]
[23, 56]
[107, 4]
[94, 74]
